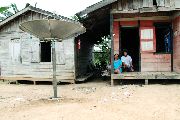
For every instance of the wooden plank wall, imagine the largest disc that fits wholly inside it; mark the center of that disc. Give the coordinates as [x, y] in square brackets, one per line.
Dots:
[84, 56]
[176, 44]
[25, 67]
[131, 6]
[151, 62]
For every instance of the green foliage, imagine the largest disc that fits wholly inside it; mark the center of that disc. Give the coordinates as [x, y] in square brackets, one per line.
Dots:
[78, 18]
[6, 12]
[104, 55]
[2, 9]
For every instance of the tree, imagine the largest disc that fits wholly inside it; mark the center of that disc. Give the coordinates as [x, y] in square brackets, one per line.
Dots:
[2, 9]
[7, 12]
[103, 56]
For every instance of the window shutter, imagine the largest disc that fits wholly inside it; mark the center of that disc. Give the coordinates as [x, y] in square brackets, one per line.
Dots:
[160, 3]
[147, 3]
[177, 4]
[60, 55]
[35, 51]
[148, 39]
[14, 49]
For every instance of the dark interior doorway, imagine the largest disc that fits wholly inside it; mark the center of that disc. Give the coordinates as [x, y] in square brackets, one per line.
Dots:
[130, 40]
[45, 51]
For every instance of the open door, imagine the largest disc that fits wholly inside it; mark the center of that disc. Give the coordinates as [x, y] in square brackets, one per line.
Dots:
[130, 40]
[147, 39]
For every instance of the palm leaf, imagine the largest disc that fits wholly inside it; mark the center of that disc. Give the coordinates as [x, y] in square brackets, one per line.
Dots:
[2, 9]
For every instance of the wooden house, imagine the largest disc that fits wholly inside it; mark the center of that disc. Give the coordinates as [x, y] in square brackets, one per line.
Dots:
[149, 29]
[25, 57]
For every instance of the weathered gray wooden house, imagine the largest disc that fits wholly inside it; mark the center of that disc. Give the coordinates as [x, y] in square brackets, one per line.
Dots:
[149, 29]
[25, 57]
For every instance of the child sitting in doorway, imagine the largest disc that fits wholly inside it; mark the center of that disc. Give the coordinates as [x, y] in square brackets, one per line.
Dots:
[127, 62]
[117, 64]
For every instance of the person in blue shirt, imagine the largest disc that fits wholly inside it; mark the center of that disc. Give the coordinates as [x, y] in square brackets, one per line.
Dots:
[117, 64]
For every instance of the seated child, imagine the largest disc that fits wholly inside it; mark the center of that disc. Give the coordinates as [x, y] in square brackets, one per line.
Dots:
[117, 64]
[127, 62]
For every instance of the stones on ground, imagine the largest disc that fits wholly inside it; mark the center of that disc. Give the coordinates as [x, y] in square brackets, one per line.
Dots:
[85, 90]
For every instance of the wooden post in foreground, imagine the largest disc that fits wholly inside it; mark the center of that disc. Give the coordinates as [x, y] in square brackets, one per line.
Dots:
[112, 49]
[54, 68]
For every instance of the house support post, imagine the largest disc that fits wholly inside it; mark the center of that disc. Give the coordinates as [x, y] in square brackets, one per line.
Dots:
[146, 82]
[112, 49]
[54, 68]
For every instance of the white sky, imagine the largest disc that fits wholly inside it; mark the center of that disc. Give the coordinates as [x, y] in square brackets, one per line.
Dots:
[62, 7]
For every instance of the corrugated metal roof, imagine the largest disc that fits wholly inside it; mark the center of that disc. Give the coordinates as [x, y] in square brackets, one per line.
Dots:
[96, 6]
[38, 10]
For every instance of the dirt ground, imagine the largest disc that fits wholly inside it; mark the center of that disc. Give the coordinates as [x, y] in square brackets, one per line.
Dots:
[90, 101]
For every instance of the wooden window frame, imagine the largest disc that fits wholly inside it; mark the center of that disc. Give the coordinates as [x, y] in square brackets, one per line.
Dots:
[148, 40]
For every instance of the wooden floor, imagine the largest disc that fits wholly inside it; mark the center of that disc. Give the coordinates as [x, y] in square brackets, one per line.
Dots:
[35, 80]
[145, 76]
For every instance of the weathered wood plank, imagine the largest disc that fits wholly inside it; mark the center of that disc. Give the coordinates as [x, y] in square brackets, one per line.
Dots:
[167, 3]
[125, 5]
[120, 5]
[147, 3]
[177, 4]
[160, 3]
[130, 5]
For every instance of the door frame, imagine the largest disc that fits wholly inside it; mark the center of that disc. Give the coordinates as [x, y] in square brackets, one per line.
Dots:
[138, 28]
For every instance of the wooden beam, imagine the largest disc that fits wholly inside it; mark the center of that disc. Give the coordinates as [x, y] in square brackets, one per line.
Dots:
[118, 11]
[144, 18]
[148, 9]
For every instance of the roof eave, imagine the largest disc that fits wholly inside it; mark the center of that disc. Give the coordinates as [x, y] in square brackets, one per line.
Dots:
[31, 8]
[96, 7]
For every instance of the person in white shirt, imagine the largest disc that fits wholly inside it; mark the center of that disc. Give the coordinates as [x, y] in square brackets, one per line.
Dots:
[127, 62]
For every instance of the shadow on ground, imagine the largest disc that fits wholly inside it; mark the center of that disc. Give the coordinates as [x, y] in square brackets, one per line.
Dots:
[106, 81]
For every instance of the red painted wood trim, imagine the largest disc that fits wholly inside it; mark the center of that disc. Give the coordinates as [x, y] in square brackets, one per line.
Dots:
[129, 23]
[116, 34]
[147, 23]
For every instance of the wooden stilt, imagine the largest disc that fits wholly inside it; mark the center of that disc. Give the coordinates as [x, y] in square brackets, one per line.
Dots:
[16, 82]
[34, 82]
[146, 82]
[112, 82]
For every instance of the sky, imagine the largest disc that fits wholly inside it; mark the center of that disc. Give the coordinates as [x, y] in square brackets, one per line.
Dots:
[62, 7]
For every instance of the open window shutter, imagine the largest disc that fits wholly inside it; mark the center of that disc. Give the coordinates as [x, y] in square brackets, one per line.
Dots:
[148, 39]
[35, 51]
[60, 55]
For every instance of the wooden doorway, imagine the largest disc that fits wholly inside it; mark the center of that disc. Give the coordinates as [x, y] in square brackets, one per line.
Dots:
[130, 41]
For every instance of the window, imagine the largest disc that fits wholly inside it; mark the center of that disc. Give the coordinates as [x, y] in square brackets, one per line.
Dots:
[148, 40]
[14, 50]
[163, 38]
[45, 51]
